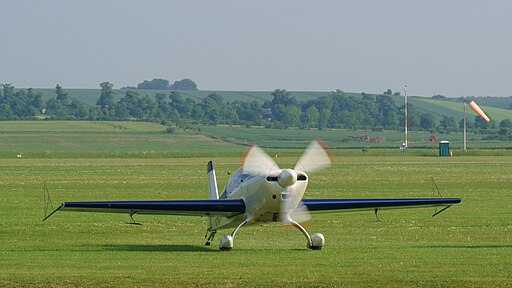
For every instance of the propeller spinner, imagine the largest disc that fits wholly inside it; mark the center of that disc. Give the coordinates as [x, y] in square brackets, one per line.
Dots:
[315, 157]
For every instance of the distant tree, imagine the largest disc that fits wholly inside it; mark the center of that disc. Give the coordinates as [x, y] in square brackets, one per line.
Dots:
[185, 84]
[388, 92]
[106, 99]
[280, 102]
[155, 84]
[439, 97]
[35, 100]
[247, 111]
[160, 98]
[197, 112]
[390, 119]
[469, 124]
[6, 112]
[60, 94]
[368, 97]
[480, 123]
[162, 104]
[216, 97]
[8, 93]
[130, 106]
[181, 105]
[396, 93]
[446, 124]
[506, 123]
[212, 107]
[323, 119]
[310, 117]
[56, 109]
[33, 103]
[427, 121]
[292, 116]
[78, 110]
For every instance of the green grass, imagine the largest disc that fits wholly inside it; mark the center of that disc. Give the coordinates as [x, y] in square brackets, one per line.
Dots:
[345, 141]
[61, 139]
[468, 245]
[90, 139]
[78, 127]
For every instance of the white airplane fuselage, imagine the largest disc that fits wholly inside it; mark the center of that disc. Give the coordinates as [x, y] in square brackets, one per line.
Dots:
[262, 194]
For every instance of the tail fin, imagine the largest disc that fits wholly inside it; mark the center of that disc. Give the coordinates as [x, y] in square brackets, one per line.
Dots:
[213, 192]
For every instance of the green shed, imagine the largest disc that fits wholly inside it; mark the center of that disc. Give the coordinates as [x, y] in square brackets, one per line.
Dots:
[444, 149]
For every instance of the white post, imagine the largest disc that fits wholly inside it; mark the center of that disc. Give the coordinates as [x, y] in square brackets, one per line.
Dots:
[405, 119]
[465, 135]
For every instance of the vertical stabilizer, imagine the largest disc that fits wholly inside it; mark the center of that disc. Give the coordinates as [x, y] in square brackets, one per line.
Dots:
[213, 192]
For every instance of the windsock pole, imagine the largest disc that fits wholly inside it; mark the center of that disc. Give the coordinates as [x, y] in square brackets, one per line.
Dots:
[465, 135]
[405, 118]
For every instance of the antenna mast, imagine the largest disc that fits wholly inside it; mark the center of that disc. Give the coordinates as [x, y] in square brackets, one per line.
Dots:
[465, 135]
[405, 118]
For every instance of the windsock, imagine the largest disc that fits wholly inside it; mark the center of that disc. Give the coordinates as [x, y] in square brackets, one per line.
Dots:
[478, 111]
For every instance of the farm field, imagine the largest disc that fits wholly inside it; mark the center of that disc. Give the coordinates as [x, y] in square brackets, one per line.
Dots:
[123, 139]
[61, 139]
[468, 245]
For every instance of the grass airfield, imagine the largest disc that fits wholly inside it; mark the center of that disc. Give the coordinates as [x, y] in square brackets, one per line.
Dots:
[469, 245]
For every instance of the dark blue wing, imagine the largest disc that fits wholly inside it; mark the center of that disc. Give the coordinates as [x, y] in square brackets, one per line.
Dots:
[226, 208]
[347, 204]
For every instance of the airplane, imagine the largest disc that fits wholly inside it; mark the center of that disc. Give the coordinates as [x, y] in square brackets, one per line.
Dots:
[259, 191]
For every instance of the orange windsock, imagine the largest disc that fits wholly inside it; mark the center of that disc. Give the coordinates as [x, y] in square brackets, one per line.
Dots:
[478, 111]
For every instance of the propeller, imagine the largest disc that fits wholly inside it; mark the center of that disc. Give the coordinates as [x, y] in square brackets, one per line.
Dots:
[257, 159]
[314, 158]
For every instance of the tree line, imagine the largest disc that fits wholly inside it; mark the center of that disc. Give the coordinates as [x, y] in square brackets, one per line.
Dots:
[336, 110]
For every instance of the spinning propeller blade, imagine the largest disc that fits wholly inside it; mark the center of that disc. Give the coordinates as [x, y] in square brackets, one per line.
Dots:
[258, 159]
[315, 157]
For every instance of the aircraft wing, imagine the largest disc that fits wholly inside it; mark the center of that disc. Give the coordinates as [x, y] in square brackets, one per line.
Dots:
[226, 208]
[333, 205]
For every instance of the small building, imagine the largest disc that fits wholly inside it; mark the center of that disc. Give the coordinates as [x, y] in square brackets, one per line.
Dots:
[444, 149]
[432, 138]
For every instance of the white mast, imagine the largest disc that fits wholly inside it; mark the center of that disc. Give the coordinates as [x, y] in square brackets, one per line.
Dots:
[405, 119]
[465, 135]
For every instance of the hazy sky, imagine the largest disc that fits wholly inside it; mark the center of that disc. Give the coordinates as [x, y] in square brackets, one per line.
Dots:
[454, 48]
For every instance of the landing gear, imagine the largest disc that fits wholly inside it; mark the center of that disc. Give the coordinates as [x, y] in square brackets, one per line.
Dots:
[212, 235]
[318, 241]
[315, 241]
[226, 242]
